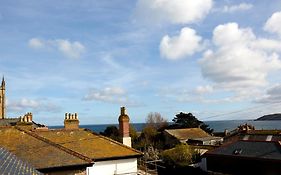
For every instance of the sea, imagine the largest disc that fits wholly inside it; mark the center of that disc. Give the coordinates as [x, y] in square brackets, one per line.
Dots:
[218, 126]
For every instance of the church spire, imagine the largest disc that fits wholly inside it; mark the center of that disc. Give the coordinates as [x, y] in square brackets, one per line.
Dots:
[3, 83]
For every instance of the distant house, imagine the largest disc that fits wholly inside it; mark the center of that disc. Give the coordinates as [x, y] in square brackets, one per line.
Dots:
[195, 136]
[254, 135]
[11, 164]
[244, 157]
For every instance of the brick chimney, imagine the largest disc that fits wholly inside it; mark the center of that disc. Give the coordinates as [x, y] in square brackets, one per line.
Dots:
[124, 127]
[71, 121]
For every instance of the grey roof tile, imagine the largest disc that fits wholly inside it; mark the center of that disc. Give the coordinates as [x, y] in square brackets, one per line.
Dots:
[255, 149]
[10, 164]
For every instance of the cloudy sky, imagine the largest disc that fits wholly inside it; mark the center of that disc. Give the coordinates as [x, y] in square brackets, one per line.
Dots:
[217, 59]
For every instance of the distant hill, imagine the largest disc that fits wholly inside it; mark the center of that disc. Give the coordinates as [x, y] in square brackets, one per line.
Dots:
[270, 117]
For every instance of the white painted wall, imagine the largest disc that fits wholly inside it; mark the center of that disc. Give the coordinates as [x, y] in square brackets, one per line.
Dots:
[114, 167]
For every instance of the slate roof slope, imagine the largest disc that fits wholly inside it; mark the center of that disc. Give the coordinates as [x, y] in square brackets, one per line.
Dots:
[38, 153]
[187, 133]
[260, 137]
[9, 121]
[10, 164]
[251, 149]
[13, 122]
[89, 144]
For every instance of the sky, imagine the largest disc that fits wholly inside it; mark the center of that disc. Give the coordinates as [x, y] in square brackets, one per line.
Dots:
[219, 59]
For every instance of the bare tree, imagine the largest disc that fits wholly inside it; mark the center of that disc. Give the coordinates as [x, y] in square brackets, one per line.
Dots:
[155, 120]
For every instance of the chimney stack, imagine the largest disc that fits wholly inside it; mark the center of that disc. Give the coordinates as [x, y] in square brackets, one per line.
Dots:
[124, 127]
[71, 121]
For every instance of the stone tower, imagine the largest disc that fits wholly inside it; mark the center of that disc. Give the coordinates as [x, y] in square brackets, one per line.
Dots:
[124, 127]
[2, 99]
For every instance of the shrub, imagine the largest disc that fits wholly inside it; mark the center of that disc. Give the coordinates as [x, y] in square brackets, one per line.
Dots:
[179, 156]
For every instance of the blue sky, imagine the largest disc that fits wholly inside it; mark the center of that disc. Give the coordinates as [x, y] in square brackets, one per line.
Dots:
[217, 59]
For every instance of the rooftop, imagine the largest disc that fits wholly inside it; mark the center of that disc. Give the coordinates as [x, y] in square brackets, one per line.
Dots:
[187, 133]
[62, 148]
[38, 153]
[251, 149]
[89, 144]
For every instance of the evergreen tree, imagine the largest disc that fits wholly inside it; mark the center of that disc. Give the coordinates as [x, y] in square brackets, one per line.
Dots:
[188, 120]
[111, 132]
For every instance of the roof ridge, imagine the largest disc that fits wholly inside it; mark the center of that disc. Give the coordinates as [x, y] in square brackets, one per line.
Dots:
[67, 150]
[184, 128]
[107, 138]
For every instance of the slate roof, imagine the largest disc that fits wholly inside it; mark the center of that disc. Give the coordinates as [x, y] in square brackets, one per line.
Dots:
[38, 153]
[10, 164]
[187, 133]
[13, 122]
[259, 137]
[251, 149]
[89, 144]
[9, 121]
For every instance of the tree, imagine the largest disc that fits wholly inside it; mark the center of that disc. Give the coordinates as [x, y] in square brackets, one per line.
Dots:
[133, 134]
[151, 135]
[155, 120]
[188, 120]
[111, 132]
[179, 156]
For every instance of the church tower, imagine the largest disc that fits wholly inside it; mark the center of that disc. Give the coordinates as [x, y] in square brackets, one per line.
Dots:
[2, 99]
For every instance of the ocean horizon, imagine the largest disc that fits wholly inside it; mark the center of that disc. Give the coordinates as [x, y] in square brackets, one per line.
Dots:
[218, 126]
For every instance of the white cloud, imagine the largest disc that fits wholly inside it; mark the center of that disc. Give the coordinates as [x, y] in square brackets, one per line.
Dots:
[273, 95]
[69, 49]
[173, 11]
[204, 89]
[185, 44]
[273, 24]
[235, 8]
[27, 105]
[115, 95]
[72, 50]
[267, 45]
[238, 62]
[36, 43]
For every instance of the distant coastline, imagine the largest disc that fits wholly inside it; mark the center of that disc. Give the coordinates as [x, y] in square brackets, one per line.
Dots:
[269, 117]
[218, 126]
